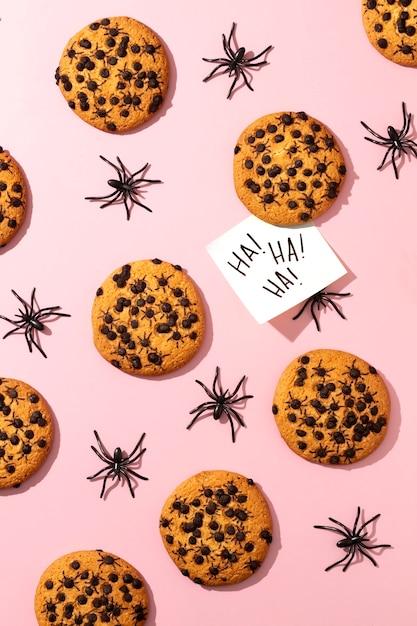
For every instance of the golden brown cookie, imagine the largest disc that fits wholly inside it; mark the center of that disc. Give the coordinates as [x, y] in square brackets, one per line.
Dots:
[91, 587]
[391, 27]
[288, 168]
[331, 407]
[114, 73]
[148, 318]
[13, 195]
[26, 431]
[216, 526]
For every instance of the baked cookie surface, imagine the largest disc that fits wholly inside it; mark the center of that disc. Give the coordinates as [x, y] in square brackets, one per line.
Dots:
[26, 431]
[91, 587]
[288, 168]
[331, 407]
[216, 527]
[148, 318]
[114, 74]
[391, 27]
[13, 197]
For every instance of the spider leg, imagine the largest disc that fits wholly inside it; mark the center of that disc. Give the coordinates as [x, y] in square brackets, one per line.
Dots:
[347, 530]
[233, 400]
[301, 311]
[231, 426]
[349, 554]
[411, 145]
[225, 64]
[105, 455]
[50, 310]
[313, 314]
[230, 414]
[130, 180]
[259, 55]
[368, 522]
[137, 446]
[200, 411]
[103, 469]
[110, 195]
[390, 149]
[30, 339]
[334, 305]
[406, 123]
[237, 387]
[394, 164]
[375, 134]
[368, 556]
[123, 177]
[137, 202]
[335, 530]
[124, 472]
[243, 74]
[214, 396]
[129, 470]
[386, 142]
[355, 525]
[109, 473]
[229, 41]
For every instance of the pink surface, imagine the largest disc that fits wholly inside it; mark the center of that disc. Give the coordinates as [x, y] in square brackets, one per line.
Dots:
[322, 63]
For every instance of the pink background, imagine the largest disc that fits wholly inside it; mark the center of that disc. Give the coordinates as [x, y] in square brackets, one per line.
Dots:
[322, 63]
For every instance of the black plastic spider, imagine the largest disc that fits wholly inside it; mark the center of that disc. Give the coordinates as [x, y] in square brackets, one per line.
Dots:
[118, 465]
[30, 320]
[235, 64]
[323, 298]
[354, 540]
[125, 187]
[222, 402]
[396, 142]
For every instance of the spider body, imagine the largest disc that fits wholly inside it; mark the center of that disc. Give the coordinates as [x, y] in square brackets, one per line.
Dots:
[353, 541]
[30, 321]
[119, 465]
[321, 298]
[220, 404]
[234, 63]
[126, 188]
[396, 143]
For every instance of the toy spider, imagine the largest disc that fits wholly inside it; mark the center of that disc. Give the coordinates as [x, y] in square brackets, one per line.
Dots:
[323, 298]
[354, 540]
[30, 321]
[118, 465]
[222, 402]
[396, 142]
[125, 187]
[234, 63]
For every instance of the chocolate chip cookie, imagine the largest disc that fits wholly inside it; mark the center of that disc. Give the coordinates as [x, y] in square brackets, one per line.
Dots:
[391, 27]
[148, 318]
[216, 526]
[114, 74]
[91, 587]
[26, 431]
[331, 407]
[13, 197]
[288, 168]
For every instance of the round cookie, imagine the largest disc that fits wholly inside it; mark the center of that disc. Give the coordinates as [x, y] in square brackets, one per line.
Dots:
[13, 195]
[91, 587]
[114, 74]
[148, 318]
[331, 407]
[288, 168]
[216, 526]
[391, 27]
[26, 432]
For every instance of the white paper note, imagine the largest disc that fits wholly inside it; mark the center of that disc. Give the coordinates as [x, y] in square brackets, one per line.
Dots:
[273, 268]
